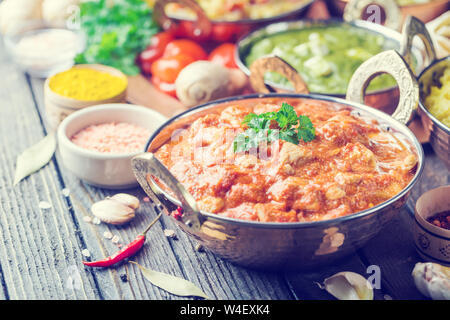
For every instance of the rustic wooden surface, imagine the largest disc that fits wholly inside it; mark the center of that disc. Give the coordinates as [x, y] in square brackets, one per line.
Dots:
[40, 250]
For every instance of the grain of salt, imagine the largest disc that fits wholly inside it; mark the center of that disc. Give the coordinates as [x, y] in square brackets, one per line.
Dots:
[66, 192]
[117, 138]
[45, 205]
[115, 239]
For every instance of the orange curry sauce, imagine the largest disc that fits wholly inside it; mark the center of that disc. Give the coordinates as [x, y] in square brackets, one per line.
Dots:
[351, 165]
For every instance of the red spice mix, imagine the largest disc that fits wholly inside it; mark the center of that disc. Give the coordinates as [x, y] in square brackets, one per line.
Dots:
[441, 220]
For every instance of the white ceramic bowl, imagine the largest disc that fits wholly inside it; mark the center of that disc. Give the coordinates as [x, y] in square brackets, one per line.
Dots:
[112, 171]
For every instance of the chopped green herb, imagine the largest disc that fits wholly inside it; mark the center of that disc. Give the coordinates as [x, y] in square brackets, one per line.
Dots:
[116, 31]
[271, 126]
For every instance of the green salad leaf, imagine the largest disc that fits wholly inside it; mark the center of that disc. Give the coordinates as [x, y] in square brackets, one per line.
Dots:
[116, 31]
[271, 126]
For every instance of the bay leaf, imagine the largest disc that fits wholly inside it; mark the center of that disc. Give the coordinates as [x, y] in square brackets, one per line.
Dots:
[175, 285]
[35, 157]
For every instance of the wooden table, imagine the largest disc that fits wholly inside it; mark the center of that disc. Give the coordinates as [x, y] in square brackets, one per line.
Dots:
[40, 250]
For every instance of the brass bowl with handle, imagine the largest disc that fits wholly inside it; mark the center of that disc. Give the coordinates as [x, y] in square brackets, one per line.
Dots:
[437, 133]
[204, 29]
[384, 99]
[299, 245]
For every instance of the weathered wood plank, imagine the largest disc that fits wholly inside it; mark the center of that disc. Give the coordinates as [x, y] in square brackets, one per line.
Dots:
[38, 246]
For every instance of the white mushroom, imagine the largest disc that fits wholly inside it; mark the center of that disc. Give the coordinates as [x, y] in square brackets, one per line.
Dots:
[203, 81]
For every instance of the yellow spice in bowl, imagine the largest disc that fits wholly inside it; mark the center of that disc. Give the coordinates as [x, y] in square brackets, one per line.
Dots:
[438, 101]
[87, 84]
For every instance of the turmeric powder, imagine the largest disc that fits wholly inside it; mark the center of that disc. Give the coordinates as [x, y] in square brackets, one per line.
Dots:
[87, 84]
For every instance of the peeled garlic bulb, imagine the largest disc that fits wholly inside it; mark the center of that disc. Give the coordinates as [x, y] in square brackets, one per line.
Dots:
[348, 286]
[127, 199]
[432, 280]
[112, 211]
[19, 15]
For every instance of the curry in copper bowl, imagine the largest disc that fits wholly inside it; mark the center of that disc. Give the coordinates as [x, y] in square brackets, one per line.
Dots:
[351, 163]
[286, 181]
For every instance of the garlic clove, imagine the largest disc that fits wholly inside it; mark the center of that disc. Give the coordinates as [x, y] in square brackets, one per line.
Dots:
[127, 199]
[348, 286]
[112, 211]
[432, 280]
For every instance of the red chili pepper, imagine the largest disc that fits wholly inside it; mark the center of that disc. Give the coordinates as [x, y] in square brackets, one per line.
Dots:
[128, 251]
[178, 214]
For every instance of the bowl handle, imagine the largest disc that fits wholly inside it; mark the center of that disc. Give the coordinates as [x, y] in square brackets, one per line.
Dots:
[147, 164]
[414, 27]
[274, 64]
[203, 25]
[370, 10]
[390, 62]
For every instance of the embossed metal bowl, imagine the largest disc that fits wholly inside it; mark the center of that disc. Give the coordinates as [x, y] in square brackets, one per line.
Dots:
[266, 245]
[204, 29]
[385, 99]
[439, 133]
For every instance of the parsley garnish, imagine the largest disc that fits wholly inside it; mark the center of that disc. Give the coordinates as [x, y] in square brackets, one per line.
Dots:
[271, 126]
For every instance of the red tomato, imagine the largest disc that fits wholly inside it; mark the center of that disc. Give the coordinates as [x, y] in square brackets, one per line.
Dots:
[227, 32]
[186, 47]
[168, 68]
[224, 55]
[155, 50]
[188, 29]
[167, 88]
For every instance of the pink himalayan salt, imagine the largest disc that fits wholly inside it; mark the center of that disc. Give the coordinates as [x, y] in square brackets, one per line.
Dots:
[112, 137]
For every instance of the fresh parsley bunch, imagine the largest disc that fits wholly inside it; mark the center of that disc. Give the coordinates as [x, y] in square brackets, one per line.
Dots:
[116, 31]
[289, 127]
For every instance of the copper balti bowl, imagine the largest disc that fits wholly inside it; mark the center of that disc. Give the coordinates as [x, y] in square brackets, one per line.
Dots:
[204, 29]
[385, 99]
[439, 133]
[423, 11]
[302, 245]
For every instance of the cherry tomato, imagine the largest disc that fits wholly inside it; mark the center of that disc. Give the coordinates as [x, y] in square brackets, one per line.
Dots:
[168, 68]
[167, 88]
[155, 50]
[227, 32]
[224, 55]
[186, 47]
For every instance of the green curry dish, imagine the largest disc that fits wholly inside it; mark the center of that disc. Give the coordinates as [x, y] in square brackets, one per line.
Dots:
[116, 31]
[271, 126]
[326, 57]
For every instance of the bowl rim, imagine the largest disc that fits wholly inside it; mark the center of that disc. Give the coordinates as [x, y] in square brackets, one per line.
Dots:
[303, 5]
[63, 139]
[303, 24]
[422, 106]
[298, 225]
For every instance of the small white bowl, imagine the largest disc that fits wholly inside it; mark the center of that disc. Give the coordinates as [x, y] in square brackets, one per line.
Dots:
[112, 171]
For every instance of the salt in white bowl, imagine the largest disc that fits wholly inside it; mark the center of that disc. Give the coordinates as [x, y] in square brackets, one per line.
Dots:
[106, 170]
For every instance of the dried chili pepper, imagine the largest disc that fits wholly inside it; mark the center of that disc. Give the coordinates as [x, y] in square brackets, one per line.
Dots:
[128, 251]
